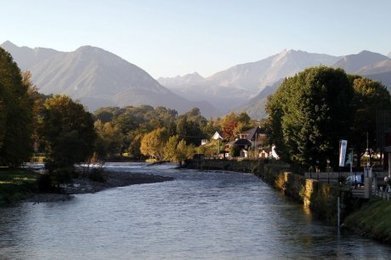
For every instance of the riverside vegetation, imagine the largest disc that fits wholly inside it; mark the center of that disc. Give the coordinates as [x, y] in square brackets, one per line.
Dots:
[16, 185]
[307, 116]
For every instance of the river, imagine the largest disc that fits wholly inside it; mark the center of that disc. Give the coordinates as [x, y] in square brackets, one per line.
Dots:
[199, 215]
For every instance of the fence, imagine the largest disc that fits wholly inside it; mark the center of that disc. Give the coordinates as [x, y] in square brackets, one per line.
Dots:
[376, 183]
[386, 195]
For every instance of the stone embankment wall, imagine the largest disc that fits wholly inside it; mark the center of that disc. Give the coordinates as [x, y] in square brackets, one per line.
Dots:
[369, 218]
[321, 198]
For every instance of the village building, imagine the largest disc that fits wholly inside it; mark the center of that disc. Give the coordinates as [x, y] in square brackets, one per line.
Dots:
[251, 143]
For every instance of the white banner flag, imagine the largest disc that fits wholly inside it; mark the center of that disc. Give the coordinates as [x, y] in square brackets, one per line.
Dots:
[342, 152]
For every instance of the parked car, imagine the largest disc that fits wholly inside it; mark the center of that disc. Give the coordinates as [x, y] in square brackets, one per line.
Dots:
[356, 179]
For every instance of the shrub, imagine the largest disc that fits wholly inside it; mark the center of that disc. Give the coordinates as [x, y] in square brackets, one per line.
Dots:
[45, 183]
[96, 175]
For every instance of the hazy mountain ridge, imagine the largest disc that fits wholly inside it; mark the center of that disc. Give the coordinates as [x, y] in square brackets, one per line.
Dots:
[185, 80]
[27, 57]
[372, 65]
[96, 77]
[255, 107]
[99, 78]
[245, 87]
[356, 63]
[236, 85]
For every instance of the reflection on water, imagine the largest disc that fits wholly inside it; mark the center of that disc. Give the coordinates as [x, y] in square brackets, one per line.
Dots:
[207, 215]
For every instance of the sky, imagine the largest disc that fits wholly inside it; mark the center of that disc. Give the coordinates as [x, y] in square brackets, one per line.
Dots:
[167, 38]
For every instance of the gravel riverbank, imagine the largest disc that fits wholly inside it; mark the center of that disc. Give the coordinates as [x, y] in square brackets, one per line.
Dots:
[84, 184]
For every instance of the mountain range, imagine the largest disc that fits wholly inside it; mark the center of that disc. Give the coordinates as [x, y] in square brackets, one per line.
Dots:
[96, 78]
[99, 78]
[246, 86]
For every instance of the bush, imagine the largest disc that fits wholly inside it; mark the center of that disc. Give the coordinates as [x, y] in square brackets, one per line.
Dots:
[96, 175]
[63, 175]
[45, 183]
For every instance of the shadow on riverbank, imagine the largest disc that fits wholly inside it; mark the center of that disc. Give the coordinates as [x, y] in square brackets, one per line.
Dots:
[84, 184]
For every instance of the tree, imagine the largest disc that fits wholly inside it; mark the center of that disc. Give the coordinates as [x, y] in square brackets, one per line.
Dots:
[177, 150]
[68, 131]
[309, 114]
[109, 139]
[37, 101]
[135, 144]
[184, 151]
[369, 98]
[189, 130]
[153, 143]
[228, 126]
[3, 116]
[170, 151]
[16, 113]
[232, 124]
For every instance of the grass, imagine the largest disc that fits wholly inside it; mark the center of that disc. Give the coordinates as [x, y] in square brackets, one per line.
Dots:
[373, 219]
[16, 184]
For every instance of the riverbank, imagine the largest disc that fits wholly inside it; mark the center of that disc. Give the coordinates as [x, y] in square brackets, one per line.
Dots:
[16, 185]
[28, 192]
[372, 220]
[368, 218]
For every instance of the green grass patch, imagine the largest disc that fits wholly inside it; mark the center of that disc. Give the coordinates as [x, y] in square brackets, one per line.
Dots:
[373, 219]
[16, 184]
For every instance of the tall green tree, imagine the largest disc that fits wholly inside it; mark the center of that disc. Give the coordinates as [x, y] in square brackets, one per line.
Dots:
[109, 140]
[309, 114]
[68, 131]
[370, 97]
[177, 150]
[189, 130]
[16, 113]
[37, 99]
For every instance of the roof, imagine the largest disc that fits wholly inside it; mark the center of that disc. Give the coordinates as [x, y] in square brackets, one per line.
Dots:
[251, 133]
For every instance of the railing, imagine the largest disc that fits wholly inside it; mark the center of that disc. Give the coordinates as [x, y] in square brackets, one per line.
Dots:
[357, 191]
[386, 195]
[329, 177]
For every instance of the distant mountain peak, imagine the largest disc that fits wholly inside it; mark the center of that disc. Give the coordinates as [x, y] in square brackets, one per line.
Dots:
[180, 81]
[88, 48]
[292, 52]
[8, 44]
[366, 52]
[355, 62]
[193, 76]
[188, 75]
[95, 77]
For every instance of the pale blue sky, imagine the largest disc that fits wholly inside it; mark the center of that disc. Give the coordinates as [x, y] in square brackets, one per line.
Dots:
[172, 37]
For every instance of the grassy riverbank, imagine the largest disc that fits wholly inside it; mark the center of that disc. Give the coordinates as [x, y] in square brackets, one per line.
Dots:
[372, 220]
[16, 184]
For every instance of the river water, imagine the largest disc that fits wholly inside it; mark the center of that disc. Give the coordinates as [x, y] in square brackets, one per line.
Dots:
[199, 215]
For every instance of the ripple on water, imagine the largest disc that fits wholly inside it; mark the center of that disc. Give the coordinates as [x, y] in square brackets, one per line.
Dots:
[202, 215]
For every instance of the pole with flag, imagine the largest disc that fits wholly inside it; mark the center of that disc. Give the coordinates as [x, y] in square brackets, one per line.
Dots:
[342, 152]
[350, 160]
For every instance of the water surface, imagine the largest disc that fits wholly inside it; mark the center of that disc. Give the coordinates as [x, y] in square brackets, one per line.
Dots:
[199, 215]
